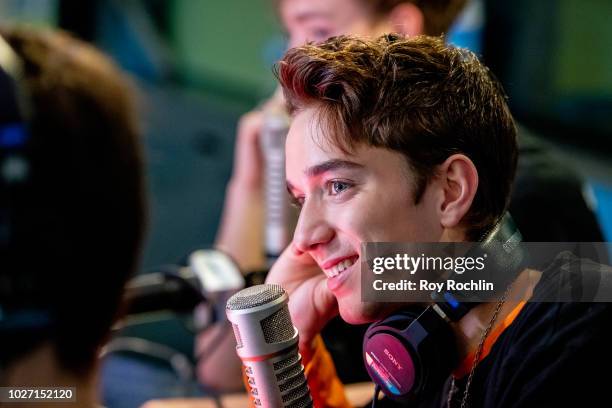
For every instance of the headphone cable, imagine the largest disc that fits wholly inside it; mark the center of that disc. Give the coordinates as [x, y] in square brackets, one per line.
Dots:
[376, 393]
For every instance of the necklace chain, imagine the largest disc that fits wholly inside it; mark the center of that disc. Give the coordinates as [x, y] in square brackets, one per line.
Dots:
[485, 334]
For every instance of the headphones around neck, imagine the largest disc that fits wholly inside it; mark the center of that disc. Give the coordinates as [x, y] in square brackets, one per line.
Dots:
[412, 353]
[14, 135]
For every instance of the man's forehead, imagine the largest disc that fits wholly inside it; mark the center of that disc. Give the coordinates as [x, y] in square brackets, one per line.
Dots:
[299, 8]
[308, 140]
[303, 9]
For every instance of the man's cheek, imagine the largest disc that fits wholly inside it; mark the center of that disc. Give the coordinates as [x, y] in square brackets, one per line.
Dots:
[356, 219]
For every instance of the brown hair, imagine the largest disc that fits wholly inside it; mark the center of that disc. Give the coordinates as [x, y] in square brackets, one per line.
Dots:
[438, 15]
[77, 225]
[416, 96]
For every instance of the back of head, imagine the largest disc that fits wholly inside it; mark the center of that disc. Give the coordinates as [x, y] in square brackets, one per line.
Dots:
[416, 96]
[71, 223]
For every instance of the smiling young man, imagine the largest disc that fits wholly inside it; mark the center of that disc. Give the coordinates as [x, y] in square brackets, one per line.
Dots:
[409, 140]
[392, 140]
[241, 229]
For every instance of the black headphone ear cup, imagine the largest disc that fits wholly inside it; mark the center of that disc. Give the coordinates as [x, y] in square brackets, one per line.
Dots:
[409, 354]
[390, 361]
[401, 319]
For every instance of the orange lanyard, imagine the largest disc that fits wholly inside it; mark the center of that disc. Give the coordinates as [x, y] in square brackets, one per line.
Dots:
[466, 364]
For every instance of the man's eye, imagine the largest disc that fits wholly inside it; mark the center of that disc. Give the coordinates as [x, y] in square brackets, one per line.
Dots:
[337, 187]
[321, 34]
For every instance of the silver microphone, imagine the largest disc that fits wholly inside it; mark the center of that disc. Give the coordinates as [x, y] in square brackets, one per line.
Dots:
[277, 216]
[267, 344]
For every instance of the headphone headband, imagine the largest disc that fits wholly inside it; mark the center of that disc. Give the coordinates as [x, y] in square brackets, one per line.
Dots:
[501, 245]
[14, 172]
[14, 101]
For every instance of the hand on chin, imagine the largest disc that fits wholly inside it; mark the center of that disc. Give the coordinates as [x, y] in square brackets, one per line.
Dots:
[311, 303]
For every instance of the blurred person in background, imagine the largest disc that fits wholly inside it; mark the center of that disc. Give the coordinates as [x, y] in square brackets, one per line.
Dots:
[72, 209]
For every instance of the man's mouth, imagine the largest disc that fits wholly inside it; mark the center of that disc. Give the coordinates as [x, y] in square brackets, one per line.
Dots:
[338, 267]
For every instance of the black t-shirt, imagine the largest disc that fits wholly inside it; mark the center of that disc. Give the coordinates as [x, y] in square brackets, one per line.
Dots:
[552, 355]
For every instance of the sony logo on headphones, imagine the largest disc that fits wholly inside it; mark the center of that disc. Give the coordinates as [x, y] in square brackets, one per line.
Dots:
[393, 360]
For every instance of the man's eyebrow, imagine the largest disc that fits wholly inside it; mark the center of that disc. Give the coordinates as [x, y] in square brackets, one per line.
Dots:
[335, 164]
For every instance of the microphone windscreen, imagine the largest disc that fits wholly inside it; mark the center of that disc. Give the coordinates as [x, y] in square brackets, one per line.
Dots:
[267, 343]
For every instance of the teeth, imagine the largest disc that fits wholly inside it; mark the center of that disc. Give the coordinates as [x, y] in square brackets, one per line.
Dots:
[339, 267]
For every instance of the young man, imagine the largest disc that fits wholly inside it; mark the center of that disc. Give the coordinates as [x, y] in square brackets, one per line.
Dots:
[408, 140]
[534, 207]
[241, 228]
[542, 180]
[242, 225]
[72, 209]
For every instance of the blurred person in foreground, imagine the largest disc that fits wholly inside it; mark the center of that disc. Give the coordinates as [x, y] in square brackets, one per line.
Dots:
[72, 209]
[547, 199]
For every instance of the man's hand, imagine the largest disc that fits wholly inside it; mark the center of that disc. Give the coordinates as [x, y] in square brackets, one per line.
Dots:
[241, 231]
[248, 159]
[311, 303]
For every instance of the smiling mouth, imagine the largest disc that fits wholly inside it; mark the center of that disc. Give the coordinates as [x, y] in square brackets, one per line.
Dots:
[340, 267]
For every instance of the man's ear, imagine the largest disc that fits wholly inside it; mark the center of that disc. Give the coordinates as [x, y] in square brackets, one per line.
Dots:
[458, 179]
[406, 18]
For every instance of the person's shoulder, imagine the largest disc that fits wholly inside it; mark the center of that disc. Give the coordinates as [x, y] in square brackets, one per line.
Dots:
[539, 165]
[570, 279]
[563, 307]
[549, 339]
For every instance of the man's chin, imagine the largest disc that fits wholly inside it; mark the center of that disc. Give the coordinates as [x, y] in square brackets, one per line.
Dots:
[362, 312]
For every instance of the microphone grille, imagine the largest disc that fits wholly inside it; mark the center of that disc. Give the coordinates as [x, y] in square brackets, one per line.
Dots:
[289, 361]
[254, 296]
[303, 402]
[298, 395]
[278, 326]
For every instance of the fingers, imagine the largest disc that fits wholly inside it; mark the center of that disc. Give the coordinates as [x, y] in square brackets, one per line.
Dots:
[249, 126]
[248, 161]
[325, 301]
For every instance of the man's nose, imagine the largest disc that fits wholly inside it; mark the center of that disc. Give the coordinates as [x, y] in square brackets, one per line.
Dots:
[312, 228]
